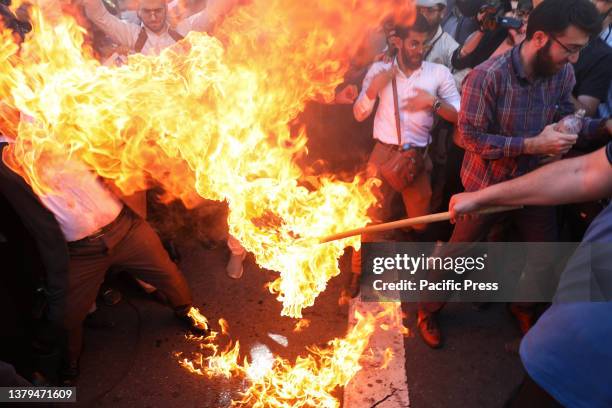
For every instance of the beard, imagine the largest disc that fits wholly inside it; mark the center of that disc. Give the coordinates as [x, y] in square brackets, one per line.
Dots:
[411, 63]
[435, 22]
[544, 66]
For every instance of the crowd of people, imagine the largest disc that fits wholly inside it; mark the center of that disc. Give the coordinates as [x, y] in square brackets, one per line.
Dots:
[469, 95]
[523, 70]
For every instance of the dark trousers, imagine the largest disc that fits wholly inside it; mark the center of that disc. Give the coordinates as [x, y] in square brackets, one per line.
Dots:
[533, 224]
[416, 198]
[130, 244]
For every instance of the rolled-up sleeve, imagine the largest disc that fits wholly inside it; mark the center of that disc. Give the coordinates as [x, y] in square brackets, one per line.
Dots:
[447, 91]
[120, 31]
[364, 105]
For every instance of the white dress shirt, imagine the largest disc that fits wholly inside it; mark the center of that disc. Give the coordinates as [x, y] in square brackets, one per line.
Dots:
[443, 47]
[433, 78]
[79, 201]
[126, 33]
[442, 53]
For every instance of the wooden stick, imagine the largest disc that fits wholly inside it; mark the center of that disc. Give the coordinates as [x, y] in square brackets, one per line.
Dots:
[425, 219]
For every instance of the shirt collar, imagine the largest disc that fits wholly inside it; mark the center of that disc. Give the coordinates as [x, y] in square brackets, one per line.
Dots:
[437, 35]
[517, 63]
[401, 73]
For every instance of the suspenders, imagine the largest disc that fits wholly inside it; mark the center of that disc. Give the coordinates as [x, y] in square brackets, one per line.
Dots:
[142, 38]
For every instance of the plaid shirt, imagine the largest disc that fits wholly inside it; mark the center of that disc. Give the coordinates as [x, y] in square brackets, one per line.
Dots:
[500, 107]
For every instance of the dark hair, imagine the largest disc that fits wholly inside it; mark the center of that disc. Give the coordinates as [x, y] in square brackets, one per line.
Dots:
[420, 25]
[554, 16]
[524, 5]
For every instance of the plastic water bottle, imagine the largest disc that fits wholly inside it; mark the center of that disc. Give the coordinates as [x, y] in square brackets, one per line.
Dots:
[571, 124]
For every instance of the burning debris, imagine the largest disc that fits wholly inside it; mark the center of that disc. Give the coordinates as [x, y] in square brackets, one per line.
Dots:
[311, 380]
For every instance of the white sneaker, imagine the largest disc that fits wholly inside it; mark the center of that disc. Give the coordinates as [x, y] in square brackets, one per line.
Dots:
[234, 266]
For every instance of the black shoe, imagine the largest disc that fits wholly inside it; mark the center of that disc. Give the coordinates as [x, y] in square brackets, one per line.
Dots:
[111, 297]
[189, 324]
[69, 374]
[429, 329]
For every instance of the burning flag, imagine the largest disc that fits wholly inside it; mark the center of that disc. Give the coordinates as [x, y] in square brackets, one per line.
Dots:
[207, 118]
[210, 118]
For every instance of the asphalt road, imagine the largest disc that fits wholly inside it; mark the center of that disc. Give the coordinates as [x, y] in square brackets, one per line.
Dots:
[473, 369]
[133, 364]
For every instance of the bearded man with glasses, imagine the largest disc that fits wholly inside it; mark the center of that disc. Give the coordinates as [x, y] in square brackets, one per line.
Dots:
[509, 107]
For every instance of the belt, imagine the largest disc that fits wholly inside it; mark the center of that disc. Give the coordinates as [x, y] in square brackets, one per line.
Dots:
[105, 229]
[404, 147]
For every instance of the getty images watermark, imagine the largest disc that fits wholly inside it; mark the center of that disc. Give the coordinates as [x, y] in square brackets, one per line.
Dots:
[478, 272]
[404, 263]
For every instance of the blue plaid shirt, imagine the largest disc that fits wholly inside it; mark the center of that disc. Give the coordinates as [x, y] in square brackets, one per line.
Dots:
[500, 107]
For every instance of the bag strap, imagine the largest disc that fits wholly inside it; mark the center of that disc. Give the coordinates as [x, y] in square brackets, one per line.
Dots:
[397, 115]
[175, 35]
[141, 40]
[432, 45]
[143, 37]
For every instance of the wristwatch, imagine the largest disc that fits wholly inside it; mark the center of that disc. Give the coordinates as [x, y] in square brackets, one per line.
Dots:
[436, 105]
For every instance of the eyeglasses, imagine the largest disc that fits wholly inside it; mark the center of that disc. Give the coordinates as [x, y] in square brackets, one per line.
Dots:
[415, 45]
[568, 50]
[150, 12]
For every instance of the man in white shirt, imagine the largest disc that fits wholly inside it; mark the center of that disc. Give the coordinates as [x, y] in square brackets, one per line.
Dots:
[101, 232]
[156, 33]
[441, 45]
[423, 89]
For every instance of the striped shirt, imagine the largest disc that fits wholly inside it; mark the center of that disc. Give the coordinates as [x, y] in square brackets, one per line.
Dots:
[500, 107]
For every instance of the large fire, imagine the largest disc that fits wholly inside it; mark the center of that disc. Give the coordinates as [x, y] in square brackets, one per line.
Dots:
[209, 117]
[310, 381]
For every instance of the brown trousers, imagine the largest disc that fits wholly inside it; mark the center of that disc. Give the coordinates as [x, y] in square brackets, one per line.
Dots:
[131, 245]
[416, 198]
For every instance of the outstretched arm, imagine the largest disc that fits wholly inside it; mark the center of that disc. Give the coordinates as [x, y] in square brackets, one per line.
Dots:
[122, 32]
[580, 179]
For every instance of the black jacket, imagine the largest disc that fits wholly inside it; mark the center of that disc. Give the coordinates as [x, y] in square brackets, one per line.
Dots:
[43, 227]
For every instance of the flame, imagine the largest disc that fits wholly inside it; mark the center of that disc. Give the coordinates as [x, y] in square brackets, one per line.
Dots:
[310, 380]
[207, 118]
[210, 118]
[198, 318]
[301, 325]
[224, 326]
[387, 357]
